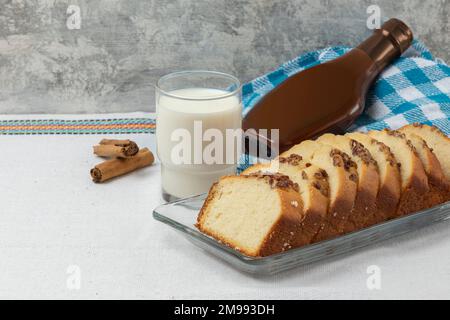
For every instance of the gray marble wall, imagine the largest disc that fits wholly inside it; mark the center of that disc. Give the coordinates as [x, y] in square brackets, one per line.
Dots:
[111, 62]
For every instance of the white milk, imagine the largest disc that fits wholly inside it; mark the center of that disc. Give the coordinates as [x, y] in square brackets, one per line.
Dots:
[182, 180]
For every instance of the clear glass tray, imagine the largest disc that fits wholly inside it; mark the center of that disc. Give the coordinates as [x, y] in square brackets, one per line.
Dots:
[182, 215]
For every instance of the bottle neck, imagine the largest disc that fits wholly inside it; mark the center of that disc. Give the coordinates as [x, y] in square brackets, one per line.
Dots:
[382, 48]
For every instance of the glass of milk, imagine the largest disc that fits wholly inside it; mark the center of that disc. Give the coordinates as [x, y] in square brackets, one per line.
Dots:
[199, 115]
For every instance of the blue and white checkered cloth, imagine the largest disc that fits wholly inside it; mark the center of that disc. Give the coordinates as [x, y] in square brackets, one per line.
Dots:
[414, 88]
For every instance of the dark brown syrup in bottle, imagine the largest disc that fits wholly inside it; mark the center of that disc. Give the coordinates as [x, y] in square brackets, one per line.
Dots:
[330, 96]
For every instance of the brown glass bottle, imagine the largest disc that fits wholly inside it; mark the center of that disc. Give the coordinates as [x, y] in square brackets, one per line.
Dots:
[330, 96]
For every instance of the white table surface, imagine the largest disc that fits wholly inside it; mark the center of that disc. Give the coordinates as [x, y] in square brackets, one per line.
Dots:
[53, 216]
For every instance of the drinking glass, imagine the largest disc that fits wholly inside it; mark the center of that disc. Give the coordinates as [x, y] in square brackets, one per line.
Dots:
[199, 113]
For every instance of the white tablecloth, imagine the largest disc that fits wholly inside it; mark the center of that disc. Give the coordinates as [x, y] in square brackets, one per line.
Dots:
[53, 219]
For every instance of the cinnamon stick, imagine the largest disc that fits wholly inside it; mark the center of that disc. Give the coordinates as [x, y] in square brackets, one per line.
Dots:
[117, 167]
[116, 148]
[116, 142]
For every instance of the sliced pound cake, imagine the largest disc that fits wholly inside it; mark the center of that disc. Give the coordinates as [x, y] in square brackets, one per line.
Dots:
[437, 182]
[439, 145]
[342, 180]
[389, 175]
[414, 178]
[307, 194]
[436, 140]
[258, 215]
[364, 210]
[313, 188]
[429, 160]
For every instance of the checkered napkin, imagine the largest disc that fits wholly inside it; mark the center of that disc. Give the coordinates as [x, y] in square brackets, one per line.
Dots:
[414, 88]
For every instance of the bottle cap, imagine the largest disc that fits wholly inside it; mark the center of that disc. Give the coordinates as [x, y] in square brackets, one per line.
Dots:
[388, 42]
[398, 32]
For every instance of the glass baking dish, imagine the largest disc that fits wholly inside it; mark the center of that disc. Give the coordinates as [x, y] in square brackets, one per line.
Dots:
[182, 214]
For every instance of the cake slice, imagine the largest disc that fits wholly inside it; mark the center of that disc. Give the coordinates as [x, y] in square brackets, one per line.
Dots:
[364, 209]
[438, 143]
[389, 175]
[313, 188]
[436, 140]
[413, 176]
[437, 182]
[430, 163]
[258, 215]
[342, 180]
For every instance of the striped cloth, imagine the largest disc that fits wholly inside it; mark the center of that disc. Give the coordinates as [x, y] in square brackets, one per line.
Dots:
[60, 125]
[414, 88]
